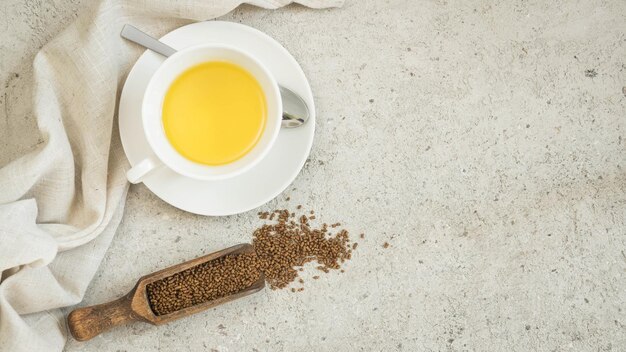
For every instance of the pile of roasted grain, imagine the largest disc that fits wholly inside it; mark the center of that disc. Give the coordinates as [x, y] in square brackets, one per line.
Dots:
[285, 246]
[202, 283]
[281, 247]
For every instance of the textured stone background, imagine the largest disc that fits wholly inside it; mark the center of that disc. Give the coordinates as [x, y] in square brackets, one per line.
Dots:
[482, 139]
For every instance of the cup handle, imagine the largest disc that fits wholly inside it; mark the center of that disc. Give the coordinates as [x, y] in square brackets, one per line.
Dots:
[138, 172]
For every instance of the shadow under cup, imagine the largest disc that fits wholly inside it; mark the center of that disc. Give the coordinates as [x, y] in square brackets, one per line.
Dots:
[154, 96]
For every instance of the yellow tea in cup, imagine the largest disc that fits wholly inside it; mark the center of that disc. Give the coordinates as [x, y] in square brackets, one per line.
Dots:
[214, 113]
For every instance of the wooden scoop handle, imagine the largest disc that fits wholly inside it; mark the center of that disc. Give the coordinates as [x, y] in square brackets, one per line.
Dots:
[88, 322]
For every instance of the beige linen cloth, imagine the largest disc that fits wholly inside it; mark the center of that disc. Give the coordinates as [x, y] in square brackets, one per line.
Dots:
[61, 204]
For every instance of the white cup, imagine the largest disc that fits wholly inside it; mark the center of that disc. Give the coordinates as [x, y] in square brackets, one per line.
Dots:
[164, 152]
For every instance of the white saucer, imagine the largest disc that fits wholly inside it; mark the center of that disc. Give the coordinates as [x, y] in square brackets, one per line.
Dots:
[244, 192]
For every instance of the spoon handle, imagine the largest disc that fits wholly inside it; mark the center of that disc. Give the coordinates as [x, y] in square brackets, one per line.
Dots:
[135, 35]
[295, 109]
[87, 322]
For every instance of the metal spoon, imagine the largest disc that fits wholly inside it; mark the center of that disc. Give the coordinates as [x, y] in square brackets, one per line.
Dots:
[295, 109]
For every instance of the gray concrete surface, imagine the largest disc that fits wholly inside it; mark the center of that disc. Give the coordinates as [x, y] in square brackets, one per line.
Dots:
[484, 140]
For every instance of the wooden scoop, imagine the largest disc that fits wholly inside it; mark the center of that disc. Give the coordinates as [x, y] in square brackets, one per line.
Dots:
[85, 323]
